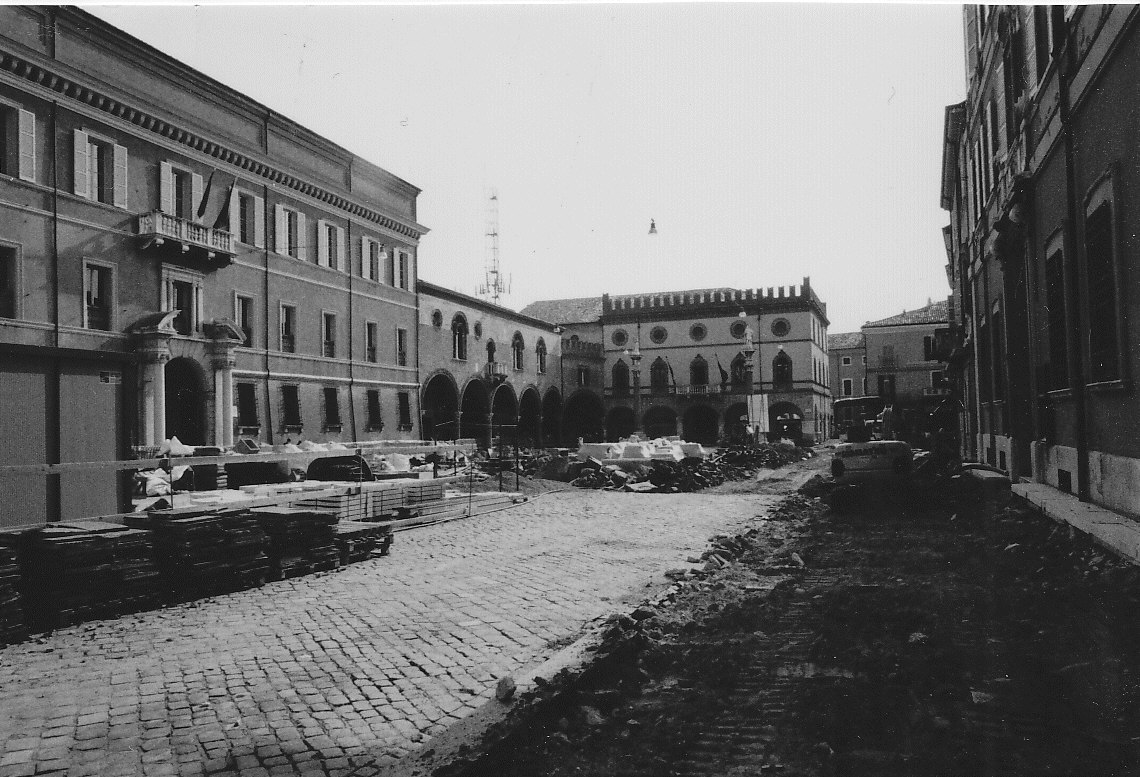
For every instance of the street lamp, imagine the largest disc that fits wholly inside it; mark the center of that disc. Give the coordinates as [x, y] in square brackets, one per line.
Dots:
[635, 360]
[748, 351]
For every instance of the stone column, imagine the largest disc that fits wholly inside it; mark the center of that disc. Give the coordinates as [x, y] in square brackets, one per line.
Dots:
[490, 429]
[152, 409]
[224, 361]
[160, 401]
[458, 424]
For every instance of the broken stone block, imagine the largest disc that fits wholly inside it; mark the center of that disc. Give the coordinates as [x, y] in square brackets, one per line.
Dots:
[505, 689]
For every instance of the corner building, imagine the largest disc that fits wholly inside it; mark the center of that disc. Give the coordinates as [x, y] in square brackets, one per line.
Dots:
[179, 260]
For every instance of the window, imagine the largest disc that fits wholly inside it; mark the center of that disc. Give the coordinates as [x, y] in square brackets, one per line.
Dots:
[782, 371]
[864, 359]
[243, 315]
[847, 387]
[928, 348]
[1058, 367]
[182, 291]
[459, 337]
[1100, 277]
[9, 282]
[290, 228]
[490, 351]
[620, 378]
[517, 349]
[247, 406]
[17, 142]
[739, 371]
[738, 329]
[845, 361]
[291, 409]
[100, 169]
[404, 269]
[478, 329]
[887, 386]
[180, 192]
[658, 334]
[247, 218]
[540, 352]
[375, 423]
[583, 375]
[619, 338]
[98, 291]
[330, 245]
[332, 410]
[328, 335]
[402, 347]
[288, 329]
[698, 332]
[659, 376]
[698, 372]
[437, 319]
[887, 357]
[371, 256]
[781, 327]
[371, 335]
[403, 402]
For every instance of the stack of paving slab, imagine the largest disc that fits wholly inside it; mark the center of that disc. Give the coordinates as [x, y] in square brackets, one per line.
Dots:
[355, 505]
[301, 540]
[359, 541]
[12, 627]
[426, 491]
[81, 570]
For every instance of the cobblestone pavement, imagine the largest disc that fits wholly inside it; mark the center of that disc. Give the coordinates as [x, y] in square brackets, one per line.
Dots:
[328, 673]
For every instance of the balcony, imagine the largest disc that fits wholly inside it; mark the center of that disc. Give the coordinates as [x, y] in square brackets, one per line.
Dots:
[495, 371]
[181, 237]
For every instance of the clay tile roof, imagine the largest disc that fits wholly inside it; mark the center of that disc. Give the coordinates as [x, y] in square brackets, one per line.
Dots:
[566, 311]
[845, 340]
[935, 313]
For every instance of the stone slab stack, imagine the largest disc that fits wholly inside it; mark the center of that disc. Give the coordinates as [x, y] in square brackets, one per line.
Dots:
[358, 541]
[12, 626]
[301, 540]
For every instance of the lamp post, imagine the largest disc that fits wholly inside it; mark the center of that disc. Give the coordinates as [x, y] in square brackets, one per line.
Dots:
[749, 351]
[635, 360]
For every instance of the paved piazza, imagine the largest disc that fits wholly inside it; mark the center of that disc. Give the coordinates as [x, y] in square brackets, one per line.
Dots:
[339, 672]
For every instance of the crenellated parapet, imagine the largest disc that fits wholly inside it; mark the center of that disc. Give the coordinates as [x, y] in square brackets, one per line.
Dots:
[704, 302]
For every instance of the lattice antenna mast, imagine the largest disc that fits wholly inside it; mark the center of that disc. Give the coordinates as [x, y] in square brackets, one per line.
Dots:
[494, 285]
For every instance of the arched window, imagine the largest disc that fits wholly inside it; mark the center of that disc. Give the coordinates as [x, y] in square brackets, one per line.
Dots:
[490, 350]
[698, 372]
[459, 337]
[437, 319]
[659, 375]
[620, 379]
[738, 371]
[540, 351]
[782, 371]
[517, 347]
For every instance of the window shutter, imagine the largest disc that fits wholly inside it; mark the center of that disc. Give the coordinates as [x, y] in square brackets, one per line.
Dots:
[340, 251]
[322, 243]
[302, 238]
[280, 230]
[196, 196]
[165, 187]
[389, 267]
[81, 161]
[234, 206]
[27, 145]
[365, 258]
[258, 222]
[120, 185]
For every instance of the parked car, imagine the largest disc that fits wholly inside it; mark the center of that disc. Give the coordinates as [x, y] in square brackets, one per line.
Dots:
[852, 460]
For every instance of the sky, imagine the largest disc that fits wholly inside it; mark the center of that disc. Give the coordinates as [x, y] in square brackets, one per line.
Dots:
[768, 141]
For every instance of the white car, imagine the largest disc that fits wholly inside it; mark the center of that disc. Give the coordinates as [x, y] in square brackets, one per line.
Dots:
[877, 457]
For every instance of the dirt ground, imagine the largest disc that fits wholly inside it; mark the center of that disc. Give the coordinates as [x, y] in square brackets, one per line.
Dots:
[913, 630]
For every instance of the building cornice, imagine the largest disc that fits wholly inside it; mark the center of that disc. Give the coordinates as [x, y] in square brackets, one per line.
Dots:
[427, 289]
[66, 85]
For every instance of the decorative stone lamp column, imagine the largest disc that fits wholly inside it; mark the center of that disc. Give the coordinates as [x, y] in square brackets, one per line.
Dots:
[152, 335]
[225, 336]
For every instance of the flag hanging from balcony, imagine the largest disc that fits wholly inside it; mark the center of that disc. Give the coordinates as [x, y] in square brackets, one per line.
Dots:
[223, 219]
[723, 373]
[672, 377]
[206, 195]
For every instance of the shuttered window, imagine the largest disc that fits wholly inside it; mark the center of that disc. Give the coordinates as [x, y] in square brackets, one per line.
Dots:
[99, 169]
[375, 422]
[405, 408]
[1100, 270]
[291, 407]
[17, 142]
[247, 405]
[1058, 368]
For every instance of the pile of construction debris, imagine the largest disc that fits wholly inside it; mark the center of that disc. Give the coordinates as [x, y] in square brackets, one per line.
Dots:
[738, 462]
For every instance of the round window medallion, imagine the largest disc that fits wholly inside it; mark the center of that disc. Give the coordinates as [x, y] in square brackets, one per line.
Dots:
[437, 319]
[478, 329]
[698, 332]
[619, 337]
[737, 329]
[658, 334]
[781, 327]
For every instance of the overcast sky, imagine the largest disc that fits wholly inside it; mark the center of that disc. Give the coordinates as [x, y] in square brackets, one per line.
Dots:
[769, 141]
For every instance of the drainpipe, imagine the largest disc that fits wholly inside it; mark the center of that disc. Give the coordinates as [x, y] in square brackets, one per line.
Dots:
[265, 276]
[1072, 293]
[54, 409]
[351, 329]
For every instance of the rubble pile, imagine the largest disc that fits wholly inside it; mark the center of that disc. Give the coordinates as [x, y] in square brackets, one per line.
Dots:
[737, 462]
[301, 540]
[11, 605]
[357, 540]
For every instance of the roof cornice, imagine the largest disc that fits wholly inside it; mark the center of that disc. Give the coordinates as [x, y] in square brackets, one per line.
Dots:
[426, 288]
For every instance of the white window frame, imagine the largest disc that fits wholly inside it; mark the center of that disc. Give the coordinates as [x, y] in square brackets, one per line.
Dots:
[325, 314]
[402, 269]
[372, 327]
[258, 216]
[113, 269]
[845, 361]
[368, 270]
[238, 297]
[167, 172]
[330, 245]
[281, 305]
[84, 141]
[197, 282]
[847, 388]
[407, 347]
[281, 232]
[20, 155]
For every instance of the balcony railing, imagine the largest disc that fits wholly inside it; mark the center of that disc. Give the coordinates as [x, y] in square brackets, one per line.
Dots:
[157, 228]
[493, 370]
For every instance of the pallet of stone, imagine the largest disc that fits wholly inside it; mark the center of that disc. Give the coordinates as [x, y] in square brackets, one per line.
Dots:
[357, 540]
[347, 507]
[384, 499]
[300, 539]
[418, 493]
[68, 576]
[12, 625]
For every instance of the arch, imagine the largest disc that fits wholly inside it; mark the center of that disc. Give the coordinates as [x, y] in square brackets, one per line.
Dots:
[659, 376]
[490, 350]
[552, 417]
[701, 424]
[476, 406]
[439, 405]
[782, 371]
[619, 378]
[698, 371]
[504, 412]
[518, 347]
[785, 419]
[530, 418]
[540, 353]
[583, 416]
[459, 337]
[738, 371]
[620, 422]
[185, 400]
[659, 421]
[735, 422]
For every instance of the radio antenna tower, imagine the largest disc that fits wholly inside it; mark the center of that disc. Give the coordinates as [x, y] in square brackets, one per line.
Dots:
[493, 286]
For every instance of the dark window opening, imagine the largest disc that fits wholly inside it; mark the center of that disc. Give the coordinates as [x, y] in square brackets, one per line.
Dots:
[404, 403]
[583, 376]
[375, 423]
[288, 329]
[328, 334]
[402, 347]
[370, 337]
[782, 371]
[887, 387]
[1057, 376]
[291, 415]
[98, 294]
[245, 318]
[332, 410]
[183, 302]
[620, 377]
[698, 372]
[247, 405]
[1100, 266]
[459, 338]
[7, 282]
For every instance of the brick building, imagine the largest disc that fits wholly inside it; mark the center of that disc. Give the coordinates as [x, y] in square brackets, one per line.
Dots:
[847, 356]
[179, 260]
[1037, 165]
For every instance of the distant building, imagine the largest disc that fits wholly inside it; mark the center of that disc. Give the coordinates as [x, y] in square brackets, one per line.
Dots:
[847, 356]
